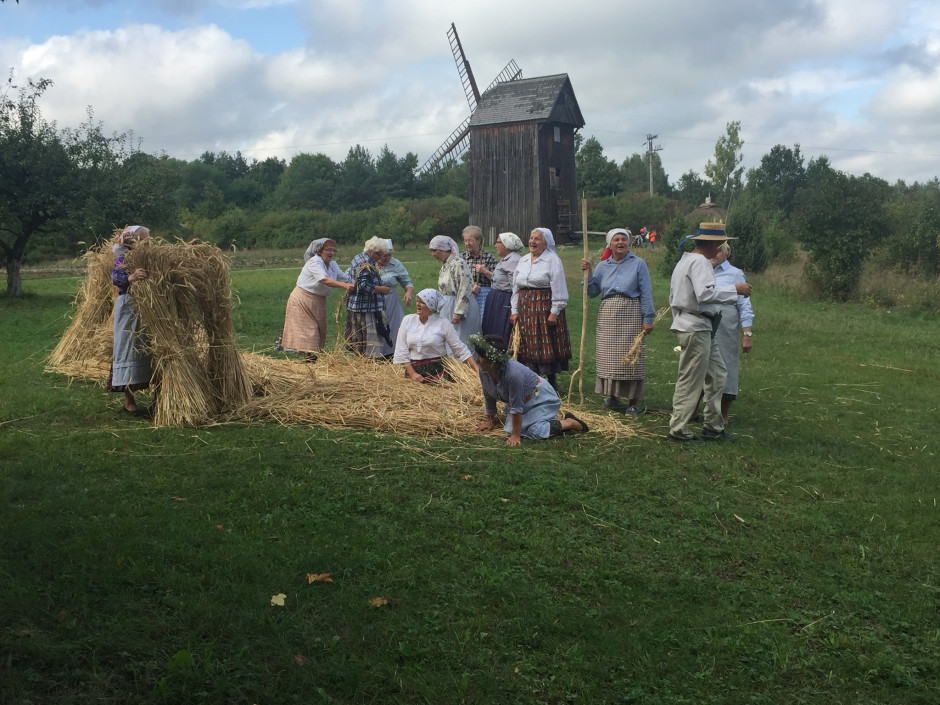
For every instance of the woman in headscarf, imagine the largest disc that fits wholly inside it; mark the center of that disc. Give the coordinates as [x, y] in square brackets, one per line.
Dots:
[735, 318]
[393, 275]
[425, 338]
[366, 326]
[455, 284]
[531, 406]
[305, 321]
[131, 367]
[499, 301]
[539, 297]
[626, 311]
[481, 264]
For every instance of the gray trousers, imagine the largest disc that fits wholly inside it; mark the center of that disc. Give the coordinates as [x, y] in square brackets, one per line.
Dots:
[700, 369]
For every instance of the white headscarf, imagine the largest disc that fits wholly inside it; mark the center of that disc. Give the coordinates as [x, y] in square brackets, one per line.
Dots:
[315, 247]
[511, 241]
[616, 231]
[444, 243]
[432, 299]
[548, 237]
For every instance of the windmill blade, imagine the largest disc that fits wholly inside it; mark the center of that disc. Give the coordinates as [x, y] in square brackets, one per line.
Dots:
[510, 73]
[453, 147]
[463, 68]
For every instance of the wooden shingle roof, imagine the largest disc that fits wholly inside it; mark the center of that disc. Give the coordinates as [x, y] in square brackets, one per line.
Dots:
[542, 99]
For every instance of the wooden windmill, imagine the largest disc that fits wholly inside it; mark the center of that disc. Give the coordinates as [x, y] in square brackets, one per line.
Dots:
[520, 133]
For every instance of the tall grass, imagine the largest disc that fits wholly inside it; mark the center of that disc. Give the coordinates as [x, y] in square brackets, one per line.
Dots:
[796, 565]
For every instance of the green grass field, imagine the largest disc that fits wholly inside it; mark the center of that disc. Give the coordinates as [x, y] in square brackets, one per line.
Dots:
[795, 565]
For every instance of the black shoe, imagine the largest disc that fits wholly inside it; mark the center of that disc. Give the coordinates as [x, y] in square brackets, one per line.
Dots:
[694, 440]
[584, 426]
[710, 434]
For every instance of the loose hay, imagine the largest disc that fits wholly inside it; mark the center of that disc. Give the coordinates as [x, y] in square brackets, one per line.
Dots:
[185, 312]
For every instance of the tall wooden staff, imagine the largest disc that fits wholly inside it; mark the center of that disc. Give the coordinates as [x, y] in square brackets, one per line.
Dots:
[579, 373]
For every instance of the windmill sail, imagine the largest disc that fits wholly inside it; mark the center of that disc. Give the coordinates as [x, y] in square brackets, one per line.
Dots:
[463, 68]
[453, 147]
[459, 139]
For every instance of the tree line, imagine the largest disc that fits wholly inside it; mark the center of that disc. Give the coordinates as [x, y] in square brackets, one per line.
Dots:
[62, 190]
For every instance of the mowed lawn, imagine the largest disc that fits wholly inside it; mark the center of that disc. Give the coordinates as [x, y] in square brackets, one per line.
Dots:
[797, 564]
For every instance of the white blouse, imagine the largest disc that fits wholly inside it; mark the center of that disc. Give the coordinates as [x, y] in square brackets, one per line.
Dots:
[314, 272]
[422, 341]
[545, 272]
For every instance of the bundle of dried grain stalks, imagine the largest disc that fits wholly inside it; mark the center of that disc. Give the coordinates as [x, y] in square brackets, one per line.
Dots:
[185, 313]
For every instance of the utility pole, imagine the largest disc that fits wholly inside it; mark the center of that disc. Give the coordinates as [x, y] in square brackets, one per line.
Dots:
[650, 149]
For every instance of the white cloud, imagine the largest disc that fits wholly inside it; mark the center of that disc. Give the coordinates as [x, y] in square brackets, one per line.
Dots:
[842, 75]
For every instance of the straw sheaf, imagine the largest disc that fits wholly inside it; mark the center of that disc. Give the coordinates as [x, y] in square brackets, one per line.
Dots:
[85, 349]
[185, 315]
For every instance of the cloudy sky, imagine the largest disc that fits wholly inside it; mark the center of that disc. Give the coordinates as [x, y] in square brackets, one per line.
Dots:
[856, 80]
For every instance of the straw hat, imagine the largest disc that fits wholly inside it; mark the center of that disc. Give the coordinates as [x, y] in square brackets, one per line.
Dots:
[711, 231]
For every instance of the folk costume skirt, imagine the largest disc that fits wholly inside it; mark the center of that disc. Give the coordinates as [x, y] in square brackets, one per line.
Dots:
[366, 332]
[393, 314]
[469, 324]
[131, 369]
[496, 314]
[432, 369]
[619, 322]
[729, 343]
[544, 349]
[304, 322]
[541, 408]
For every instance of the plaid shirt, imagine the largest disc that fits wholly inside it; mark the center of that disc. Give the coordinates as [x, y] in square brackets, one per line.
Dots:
[365, 273]
[484, 258]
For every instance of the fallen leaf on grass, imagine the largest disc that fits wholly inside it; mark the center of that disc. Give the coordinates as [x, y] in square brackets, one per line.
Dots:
[178, 499]
[319, 578]
[278, 600]
[300, 659]
[219, 527]
[378, 601]
[466, 477]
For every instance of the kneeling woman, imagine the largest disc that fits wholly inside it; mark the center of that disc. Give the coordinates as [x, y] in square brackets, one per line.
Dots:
[424, 339]
[532, 403]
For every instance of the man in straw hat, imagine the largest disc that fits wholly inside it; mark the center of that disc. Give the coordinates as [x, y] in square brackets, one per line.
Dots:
[696, 302]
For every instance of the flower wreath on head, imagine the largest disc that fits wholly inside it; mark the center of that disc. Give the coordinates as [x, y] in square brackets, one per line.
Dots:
[488, 350]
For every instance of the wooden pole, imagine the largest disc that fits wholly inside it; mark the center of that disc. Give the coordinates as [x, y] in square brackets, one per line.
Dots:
[579, 373]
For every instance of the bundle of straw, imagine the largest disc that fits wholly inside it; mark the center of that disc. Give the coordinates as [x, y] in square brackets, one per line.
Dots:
[185, 314]
[633, 354]
[85, 348]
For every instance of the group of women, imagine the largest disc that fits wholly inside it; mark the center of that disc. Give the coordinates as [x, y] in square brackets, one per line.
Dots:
[478, 298]
[490, 305]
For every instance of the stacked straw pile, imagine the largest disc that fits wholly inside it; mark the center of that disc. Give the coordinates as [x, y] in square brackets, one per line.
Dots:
[185, 320]
[185, 312]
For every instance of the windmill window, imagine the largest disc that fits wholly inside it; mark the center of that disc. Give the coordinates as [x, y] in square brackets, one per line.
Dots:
[558, 134]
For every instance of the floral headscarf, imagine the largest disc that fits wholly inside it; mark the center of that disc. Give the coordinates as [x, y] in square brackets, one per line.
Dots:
[128, 233]
[511, 241]
[444, 243]
[432, 299]
[315, 247]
